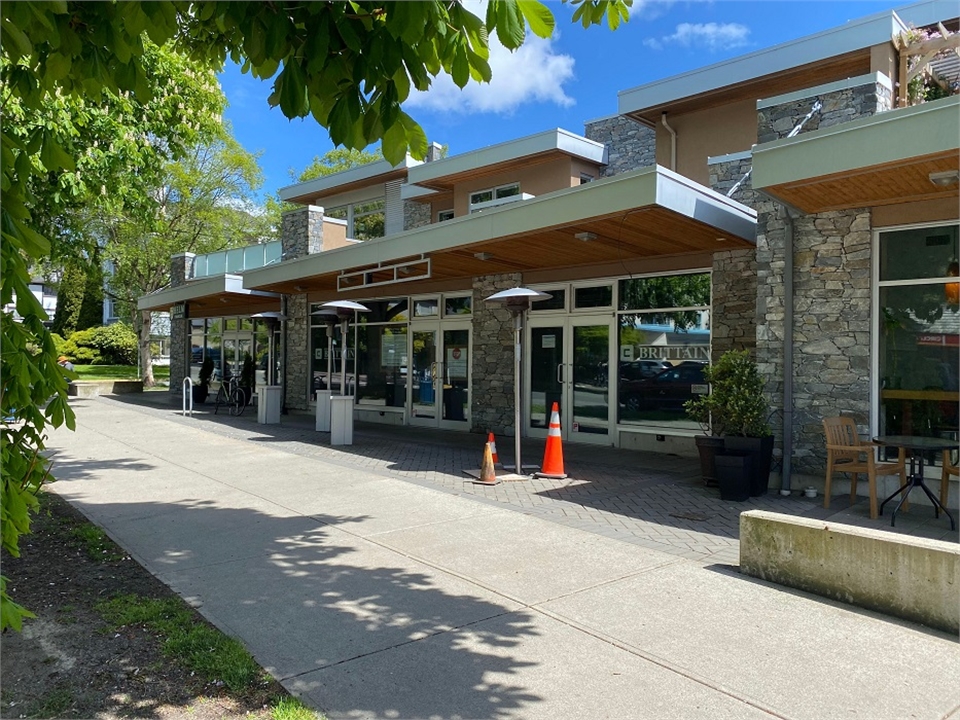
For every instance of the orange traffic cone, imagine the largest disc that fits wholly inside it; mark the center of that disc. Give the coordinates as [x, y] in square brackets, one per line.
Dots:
[492, 442]
[488, 476]
[553, 455]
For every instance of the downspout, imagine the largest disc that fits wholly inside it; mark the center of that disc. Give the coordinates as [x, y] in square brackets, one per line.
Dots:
[787, 351]
[673, 142]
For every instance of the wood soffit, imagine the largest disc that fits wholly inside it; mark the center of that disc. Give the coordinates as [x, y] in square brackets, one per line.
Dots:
[887, 184]
[645, 233]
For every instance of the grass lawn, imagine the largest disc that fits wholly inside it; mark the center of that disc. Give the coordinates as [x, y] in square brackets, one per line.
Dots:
[118, 372]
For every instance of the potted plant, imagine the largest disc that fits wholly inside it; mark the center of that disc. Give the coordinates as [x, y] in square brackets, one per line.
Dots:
[202, 388]
[736, 411]
[248, 377]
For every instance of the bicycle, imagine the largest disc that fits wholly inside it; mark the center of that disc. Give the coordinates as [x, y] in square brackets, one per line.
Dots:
[232, 397]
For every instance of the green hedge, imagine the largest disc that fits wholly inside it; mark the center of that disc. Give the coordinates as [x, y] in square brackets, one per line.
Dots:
[110, 345]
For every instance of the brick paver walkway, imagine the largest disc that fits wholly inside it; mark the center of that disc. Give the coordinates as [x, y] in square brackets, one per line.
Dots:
[649, 499]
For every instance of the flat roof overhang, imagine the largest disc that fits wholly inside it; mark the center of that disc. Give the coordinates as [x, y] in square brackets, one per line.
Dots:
[648, 213]
[445, 174]
[375, 173]
[884, 159]
[212, 297]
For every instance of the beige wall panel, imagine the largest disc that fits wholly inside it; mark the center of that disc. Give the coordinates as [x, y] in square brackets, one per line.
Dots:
[537, 179]
[708, 133]
[914, 213]
[334, 236]
[883, 59]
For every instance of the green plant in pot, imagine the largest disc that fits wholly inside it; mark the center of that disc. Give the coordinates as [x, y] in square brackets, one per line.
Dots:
[736, 411]
[202, 388]
[248, 376]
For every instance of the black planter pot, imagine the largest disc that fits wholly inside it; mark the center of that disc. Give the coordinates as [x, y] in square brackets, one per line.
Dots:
[708, 446]
[734, 471]
[761, 448]
[199, 394]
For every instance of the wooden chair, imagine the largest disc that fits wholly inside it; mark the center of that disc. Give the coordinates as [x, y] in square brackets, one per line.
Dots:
[847, 453]
[949, 468]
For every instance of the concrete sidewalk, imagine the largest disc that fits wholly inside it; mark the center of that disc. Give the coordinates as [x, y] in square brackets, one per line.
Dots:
[374, 596]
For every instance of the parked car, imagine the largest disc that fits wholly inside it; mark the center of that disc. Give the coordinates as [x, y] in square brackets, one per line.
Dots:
[642, 369]
[666, 391]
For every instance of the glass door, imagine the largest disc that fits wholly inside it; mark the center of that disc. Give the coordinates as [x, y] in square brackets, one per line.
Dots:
[440, 381]
[567, 363]
[423, 377]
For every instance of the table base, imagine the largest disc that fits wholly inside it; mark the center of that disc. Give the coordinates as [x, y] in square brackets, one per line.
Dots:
[912, 482]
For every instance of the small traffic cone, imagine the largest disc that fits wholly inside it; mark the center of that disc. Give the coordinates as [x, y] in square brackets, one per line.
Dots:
[492, 442]
[553, 455]
[488, 476]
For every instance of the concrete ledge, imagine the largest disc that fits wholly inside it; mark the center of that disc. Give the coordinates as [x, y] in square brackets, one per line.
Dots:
[95, 388]
[912, 578]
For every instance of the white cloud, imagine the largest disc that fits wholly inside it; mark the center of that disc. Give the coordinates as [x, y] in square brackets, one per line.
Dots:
[712, 36]
[534, 73]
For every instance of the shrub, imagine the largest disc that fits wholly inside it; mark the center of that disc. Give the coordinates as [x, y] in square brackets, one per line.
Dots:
[736, 404]
[110, 345]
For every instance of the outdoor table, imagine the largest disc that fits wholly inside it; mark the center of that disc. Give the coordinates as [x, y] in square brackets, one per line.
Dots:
[917, 446]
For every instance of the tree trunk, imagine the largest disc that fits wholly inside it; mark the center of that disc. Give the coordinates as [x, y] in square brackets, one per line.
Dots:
[146, 360]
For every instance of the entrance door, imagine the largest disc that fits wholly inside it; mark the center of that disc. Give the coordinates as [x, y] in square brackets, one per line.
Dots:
[440, 375]
[568, 361]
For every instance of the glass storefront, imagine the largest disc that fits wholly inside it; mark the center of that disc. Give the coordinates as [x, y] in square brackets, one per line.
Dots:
[227, 341]
[918, 331]
[663, 348]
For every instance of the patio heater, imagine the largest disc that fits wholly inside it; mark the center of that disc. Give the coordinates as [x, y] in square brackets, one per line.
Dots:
[330, 318]
[344, 310]
[518, 301]
[341, 408]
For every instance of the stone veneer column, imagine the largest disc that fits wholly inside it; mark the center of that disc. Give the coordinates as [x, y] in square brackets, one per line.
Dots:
[831, 276]
[630, 145]
[301, 235]
[181, 269]
[494, 367]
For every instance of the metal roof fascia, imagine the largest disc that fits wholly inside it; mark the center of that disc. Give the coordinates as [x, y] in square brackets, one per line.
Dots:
[557, 139]
[329, 182]
[882, 138]
[685, 197]
[228, 283]
[856, 34]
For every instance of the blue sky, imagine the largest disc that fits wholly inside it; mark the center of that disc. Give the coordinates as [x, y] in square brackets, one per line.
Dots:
[558, 83]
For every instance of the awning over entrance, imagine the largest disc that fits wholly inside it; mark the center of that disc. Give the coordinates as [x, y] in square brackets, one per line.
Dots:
[211, 297]
[892, 157]
[651, 212]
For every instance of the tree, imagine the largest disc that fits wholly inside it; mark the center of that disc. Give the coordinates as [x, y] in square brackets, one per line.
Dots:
[350, 65]
[200, 209]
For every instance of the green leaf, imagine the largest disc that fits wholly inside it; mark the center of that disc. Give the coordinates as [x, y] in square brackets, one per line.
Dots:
[290, 86]
[58, 66]
[508, 21]
[461, 67]
[538, 17]
[53, 156]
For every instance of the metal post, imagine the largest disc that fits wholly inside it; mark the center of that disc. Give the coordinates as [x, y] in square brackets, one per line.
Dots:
[518, 371]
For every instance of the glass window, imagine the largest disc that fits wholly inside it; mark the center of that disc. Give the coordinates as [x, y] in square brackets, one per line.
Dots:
[444, 215]
[508, 190]
[660, 368]
[556, 301]
[426, 308]
[389, 310]
[457, 305]
[482, 196]
[670, 291]
[919, 332]
[382, 365]
[338, 213]
[325, 360]
[593, 297]
[918, 253]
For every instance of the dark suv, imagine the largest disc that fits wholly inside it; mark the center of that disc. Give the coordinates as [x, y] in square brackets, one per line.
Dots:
[666, 391]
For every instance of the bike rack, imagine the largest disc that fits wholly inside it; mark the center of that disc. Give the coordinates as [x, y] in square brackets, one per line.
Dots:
[188, 395]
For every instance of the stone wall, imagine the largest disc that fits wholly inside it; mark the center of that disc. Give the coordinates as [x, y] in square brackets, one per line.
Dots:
[831, 305]
[415, 214]
[295, 348]
[838, 107]
[301, 232]
[630, 145]
[492, 403]
[181, 269]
